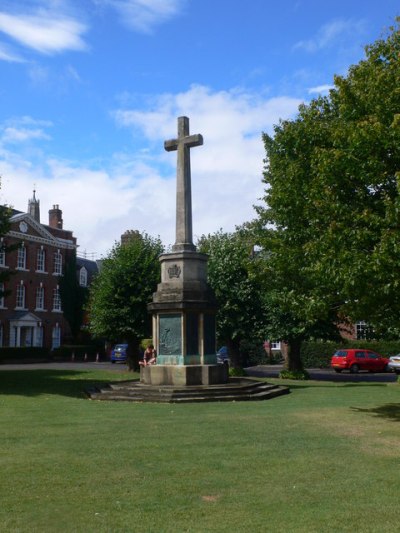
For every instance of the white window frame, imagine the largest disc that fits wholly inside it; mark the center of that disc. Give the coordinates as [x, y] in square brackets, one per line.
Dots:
[39, 336]
[276, 346]
[20, 297]
[41, 260]
[361, 329]
[56, 337]
[21, 257]
[57, 299]
[2, 254]
[40, 298]
[57, 266]
[2, 289]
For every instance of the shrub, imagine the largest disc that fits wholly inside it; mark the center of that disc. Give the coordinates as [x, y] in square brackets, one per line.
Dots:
[144, 343]
[236, 372]
[294, 374]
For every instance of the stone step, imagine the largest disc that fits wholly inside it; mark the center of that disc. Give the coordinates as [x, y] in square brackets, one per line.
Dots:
[236, 390]
[241, 384]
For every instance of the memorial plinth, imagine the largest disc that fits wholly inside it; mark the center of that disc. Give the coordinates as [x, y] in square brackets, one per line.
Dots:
[183, 307]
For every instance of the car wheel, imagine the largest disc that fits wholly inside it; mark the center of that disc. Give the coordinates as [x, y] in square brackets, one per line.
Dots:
[113, 362]
[338, 370]
[354, 369]
[397, 370]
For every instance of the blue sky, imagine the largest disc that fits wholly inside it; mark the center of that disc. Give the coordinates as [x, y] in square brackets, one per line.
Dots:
[90, 89]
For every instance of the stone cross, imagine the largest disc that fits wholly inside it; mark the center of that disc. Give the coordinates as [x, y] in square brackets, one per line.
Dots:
[184, 235]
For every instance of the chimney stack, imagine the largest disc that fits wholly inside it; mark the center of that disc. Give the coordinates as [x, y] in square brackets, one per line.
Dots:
[55, 217]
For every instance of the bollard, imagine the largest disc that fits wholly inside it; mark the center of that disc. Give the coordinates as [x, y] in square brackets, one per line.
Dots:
[85, 358]
[73, 357]
[97, 358]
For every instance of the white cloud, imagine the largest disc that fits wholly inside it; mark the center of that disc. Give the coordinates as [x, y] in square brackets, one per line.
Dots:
[23, 129]
[44, 32]
[320, 89]
[330, 33]
[144, 15]
[6, 54]
[16, 135]
[138, 191]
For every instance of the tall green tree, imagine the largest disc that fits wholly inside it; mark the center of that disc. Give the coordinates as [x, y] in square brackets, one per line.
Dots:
[331, 214]
[121, 291]
[5, 214]
[231, 268]
[73, 296]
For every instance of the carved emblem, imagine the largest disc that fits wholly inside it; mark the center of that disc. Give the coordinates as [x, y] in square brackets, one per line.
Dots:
[174, 271]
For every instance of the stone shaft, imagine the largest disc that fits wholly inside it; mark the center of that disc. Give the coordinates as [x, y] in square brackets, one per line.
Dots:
[184, 231]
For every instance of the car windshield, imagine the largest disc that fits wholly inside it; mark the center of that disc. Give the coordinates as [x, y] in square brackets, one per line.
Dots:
[340, 353]
[120, 347]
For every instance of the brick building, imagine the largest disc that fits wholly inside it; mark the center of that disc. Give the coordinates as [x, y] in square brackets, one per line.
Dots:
[35, 255]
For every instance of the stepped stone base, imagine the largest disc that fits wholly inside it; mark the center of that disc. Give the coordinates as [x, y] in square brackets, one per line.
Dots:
[183, 375]
[236, 389]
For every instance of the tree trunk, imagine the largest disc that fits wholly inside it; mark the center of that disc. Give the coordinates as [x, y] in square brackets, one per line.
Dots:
[234, 353]
[293, 358]
[133, 354]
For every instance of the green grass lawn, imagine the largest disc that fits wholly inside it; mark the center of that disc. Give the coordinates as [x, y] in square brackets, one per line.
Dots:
[324, 458]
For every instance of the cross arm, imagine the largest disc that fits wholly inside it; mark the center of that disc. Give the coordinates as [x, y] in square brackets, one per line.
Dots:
[171, 145]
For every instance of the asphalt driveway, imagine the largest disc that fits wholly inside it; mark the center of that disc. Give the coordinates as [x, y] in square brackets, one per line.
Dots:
[325, 374]
[268, 371]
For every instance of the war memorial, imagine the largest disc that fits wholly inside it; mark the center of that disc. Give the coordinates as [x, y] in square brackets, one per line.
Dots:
[183, 317]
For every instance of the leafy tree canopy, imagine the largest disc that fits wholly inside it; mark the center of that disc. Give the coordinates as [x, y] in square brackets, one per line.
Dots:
[73, 296]
[121, 291]
[331, 214]
[231, 268]
[5, 214]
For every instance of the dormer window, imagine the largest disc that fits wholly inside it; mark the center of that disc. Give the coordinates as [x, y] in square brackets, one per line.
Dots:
[83, 277]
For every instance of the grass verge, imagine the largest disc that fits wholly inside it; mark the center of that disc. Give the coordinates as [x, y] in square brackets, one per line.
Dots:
[324, 458]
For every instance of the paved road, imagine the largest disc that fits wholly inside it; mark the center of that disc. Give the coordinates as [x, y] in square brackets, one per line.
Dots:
[325, 374]
[118, 367]
[270, 371]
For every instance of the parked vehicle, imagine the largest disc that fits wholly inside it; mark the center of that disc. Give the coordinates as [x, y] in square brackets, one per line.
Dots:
[119, 353]
[223, 355]
[394, 363]
[358, 359]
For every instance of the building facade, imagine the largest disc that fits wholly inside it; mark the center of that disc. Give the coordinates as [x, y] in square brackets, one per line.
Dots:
[35, 256]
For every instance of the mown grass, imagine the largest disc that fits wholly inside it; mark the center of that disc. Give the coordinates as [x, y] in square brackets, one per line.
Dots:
[323, 458]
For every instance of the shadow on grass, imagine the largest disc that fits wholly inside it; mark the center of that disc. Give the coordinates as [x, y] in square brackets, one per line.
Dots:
[390, 411]
[31, 383]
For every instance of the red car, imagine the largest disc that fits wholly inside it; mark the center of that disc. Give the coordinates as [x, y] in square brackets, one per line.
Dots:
[356, 359]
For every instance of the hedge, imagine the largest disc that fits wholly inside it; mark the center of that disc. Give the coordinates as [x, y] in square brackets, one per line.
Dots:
[24, 354]
[319, 354]
[78, 352]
